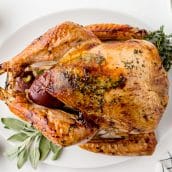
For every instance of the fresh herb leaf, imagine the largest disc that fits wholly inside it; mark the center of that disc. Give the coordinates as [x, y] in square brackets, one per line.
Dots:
[19, 137]
[44, 148]
[18, 125]
[53, 147]
[57, 154]
[164, 44]
[34, 153]
[33, 144]
[22, 158]
[29, 130]
[13, 124]
[56, 150]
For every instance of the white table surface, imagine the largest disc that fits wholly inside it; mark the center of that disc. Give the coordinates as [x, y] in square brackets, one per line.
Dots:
[16, 13]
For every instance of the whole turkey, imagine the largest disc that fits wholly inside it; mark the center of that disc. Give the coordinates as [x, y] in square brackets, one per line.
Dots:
[101, 86]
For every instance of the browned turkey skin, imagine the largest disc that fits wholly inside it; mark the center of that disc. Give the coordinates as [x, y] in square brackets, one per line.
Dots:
[118, 87]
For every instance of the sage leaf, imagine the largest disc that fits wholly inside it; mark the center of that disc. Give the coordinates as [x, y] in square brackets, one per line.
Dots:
[22, 158]
[29, 129]
[34, 154]
[53, 147]
[12, 153]
[44, 148]
[57, 154]
[12, 123]
[33, 144]
[19, 137]
[56, 150]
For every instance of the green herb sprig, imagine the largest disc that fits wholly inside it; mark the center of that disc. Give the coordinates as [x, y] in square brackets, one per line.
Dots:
[164, 44]
[32, 145]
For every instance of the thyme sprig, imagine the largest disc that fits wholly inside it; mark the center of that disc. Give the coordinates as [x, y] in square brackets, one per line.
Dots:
[163, 42]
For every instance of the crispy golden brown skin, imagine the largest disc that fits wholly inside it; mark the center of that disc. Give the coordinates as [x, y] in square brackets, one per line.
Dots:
[120, 84]
[111, 31]
[116, 85]
[140, 144]
[52, 45]
[58, 126]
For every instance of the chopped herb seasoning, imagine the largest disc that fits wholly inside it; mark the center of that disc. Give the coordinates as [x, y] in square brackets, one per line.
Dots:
[136, 51]
[93, 58]
[143, 65]
[40, 72]
[27, 79]
[94, 86]
[128, 65]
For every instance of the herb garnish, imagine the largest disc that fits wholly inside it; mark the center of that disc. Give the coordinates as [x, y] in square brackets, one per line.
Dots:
[31, 145]
[164, 44]
[136, 51]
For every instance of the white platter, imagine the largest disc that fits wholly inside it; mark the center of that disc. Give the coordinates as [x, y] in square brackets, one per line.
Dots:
[75, 157]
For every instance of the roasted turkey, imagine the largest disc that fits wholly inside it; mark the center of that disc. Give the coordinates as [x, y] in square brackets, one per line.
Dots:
[101, 86]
